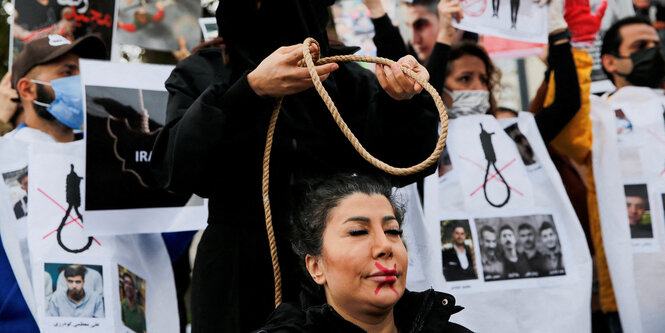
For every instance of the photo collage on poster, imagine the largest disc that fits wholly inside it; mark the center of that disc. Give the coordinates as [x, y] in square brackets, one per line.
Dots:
[501, 248]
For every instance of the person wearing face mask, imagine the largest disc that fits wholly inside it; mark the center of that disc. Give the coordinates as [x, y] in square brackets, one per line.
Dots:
[45, 75]
[631, 57]
[631, 54]
[347, 234]
[471, 79]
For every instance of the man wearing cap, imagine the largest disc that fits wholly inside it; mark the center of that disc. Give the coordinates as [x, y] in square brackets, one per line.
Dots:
[52, 113]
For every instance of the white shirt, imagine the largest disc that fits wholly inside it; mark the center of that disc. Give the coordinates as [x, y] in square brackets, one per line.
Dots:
[461, 255]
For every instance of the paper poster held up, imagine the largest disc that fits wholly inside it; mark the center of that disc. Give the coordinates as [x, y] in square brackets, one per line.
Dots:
[522, 20]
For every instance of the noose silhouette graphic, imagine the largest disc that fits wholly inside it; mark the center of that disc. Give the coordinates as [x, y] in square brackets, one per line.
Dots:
[73, 190]
[490, 156]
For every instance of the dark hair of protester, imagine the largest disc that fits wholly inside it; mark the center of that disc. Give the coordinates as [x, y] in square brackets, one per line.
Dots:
[493, 74]
[318, 199]
[612, 39]
[75, 270]
[545, 226]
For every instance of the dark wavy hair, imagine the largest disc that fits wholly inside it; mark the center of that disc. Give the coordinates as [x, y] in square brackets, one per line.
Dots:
[317, 198]
[471, 48]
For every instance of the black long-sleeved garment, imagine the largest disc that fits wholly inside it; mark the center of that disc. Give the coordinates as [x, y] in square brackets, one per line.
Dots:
[213, 145]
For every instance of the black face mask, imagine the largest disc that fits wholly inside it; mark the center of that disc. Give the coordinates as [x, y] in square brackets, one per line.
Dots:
[648, 68]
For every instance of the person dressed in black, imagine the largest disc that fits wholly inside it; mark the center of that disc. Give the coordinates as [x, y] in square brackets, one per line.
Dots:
[214, 138]
[458, 260]
[347, 236]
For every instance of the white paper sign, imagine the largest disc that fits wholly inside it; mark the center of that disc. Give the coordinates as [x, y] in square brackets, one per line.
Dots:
[511, 19]
[629, 169]
[519, 267]
[77, 277]
[123, 119]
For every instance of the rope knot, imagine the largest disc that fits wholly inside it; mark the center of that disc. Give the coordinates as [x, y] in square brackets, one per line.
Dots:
[316, 55]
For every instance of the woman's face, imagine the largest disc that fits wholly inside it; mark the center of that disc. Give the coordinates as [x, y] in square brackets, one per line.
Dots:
[363, 262]
[467, 73]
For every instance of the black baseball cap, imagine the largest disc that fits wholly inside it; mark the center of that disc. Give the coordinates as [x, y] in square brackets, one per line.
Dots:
[51, 47]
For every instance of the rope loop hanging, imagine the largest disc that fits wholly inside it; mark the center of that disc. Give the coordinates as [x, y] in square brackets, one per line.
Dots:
[310, 61]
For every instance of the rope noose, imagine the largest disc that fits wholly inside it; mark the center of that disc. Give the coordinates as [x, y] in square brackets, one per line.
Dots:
[73, 191]
[309, 62]
[490, 156]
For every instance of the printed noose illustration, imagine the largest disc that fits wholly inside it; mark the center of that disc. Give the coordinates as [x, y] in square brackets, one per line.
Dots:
[73, 190]
[490, 156]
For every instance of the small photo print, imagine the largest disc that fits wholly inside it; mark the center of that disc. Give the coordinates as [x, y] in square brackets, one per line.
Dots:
[73, 290]
[457, 251]
[519, 247]
[132, 300]
[445, 165]
[17, 183]
[639, 212]
[523, 145]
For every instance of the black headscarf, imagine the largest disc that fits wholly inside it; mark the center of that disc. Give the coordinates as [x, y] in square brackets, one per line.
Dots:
[254, 33]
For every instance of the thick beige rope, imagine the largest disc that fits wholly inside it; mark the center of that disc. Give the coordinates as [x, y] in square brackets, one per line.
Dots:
[310, 63]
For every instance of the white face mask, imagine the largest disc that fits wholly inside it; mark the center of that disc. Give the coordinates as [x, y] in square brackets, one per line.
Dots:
[468, 102]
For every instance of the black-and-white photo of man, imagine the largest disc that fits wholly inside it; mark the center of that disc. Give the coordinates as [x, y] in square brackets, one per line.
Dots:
[491, 259]
[551, 262]
[514, 264]
[518, 247]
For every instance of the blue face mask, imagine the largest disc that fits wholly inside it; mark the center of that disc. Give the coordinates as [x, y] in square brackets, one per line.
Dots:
[68, 104]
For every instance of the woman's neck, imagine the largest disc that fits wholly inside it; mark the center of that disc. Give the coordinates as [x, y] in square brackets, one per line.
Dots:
[370, 322]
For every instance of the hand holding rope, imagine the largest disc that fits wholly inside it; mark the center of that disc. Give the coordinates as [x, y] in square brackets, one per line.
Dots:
[310, 62]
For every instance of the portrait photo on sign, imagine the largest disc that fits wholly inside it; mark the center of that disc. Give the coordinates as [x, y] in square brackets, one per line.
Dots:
[73, 290]
[158, 25]
[457, 251]
[121, 127]
[444, 165]
[34, 19]
[522, 144]
[519, 247]
[639, 212]
[132, 300]
[17, 183]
